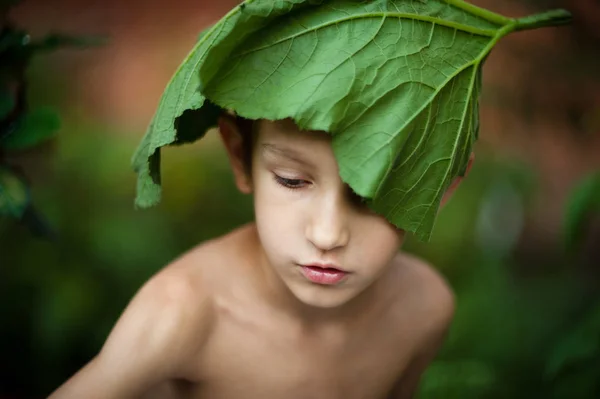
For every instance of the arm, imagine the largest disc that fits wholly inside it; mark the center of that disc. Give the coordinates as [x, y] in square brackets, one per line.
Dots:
[165, 324]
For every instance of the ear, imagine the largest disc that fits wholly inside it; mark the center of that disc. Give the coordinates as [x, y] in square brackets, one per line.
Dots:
[454, 185]
[232, 139]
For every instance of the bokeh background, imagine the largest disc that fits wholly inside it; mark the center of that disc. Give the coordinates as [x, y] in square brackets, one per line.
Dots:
[528, 318]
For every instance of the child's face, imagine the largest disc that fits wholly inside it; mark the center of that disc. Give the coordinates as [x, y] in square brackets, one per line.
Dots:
[306, 215]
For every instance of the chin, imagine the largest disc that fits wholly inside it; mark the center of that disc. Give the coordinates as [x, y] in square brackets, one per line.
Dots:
[323, 297]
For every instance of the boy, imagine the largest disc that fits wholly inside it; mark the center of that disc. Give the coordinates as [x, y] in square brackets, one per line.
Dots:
[312, 300]
[365, 114]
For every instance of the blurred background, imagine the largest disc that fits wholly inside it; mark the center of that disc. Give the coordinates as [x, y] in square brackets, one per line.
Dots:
[519, 243]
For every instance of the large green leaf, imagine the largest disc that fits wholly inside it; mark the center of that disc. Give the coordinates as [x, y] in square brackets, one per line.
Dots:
[184, 92]
[395, 82]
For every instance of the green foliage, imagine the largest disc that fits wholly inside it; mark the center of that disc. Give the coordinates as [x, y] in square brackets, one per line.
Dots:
[22, 128]
[462, 379]
[59, 300]
[7, 104]
[57, 41]
[579, 346]
[515, 337]
[583, 208]
[396, 83]
[573, 364]
[14, 194]
[32, 129]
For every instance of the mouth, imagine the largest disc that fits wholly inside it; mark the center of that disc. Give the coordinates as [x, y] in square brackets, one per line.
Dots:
[324, 274]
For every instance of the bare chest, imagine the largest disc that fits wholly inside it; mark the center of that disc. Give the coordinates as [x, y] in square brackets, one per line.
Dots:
[264, 361]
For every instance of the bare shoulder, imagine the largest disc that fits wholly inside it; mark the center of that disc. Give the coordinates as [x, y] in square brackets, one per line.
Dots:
[202, 265]
[173, 314]
[427, 300]
[159, 334]
[189, 285]
[169, 318]
[428, 291]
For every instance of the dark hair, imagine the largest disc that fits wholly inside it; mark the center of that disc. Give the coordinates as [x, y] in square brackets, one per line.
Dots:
[247, 128]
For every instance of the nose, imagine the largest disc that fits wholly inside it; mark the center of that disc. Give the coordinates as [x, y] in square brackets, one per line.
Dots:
[328, 227]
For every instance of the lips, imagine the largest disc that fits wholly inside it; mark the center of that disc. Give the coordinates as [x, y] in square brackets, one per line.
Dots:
[323, 274]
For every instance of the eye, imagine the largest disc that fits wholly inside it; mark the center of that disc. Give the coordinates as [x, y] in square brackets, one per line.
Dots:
[290, 183]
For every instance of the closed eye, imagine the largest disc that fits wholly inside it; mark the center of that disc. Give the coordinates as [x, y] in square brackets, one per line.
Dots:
[293, 184]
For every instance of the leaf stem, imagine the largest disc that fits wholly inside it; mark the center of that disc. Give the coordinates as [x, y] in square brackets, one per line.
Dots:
[549, 18]
[480, 12]
[510, 27]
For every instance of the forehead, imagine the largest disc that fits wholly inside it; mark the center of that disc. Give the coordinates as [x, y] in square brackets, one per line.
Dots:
[286, 132]
[286, 141]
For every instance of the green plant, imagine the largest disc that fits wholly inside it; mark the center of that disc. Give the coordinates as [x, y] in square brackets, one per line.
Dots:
[515, 337]
[582, 211]
[23, 128]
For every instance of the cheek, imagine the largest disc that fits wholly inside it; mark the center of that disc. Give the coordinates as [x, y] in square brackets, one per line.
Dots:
[269, 200]
[379, 241]
[277, 219]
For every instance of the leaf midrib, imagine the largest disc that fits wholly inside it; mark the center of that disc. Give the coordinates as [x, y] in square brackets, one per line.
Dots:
[457, 139]
[385, 14]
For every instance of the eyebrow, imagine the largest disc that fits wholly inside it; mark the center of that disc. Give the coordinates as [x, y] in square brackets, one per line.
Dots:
[285, 152]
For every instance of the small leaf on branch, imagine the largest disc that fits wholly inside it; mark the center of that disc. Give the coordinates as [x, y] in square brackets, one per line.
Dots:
[11, 39]
[583, 207]
[34, 128]
[58, 41]
[14, 194]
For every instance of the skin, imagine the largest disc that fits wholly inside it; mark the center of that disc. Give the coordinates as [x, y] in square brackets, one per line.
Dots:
[236, 317]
